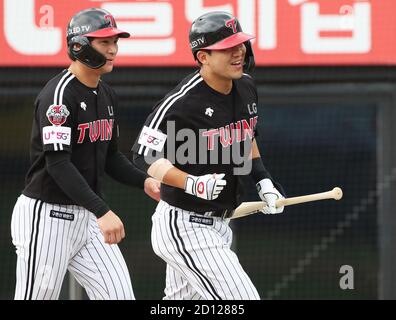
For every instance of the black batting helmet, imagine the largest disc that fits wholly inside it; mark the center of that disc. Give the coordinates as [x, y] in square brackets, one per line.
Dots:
[217, 31]
[90, 23]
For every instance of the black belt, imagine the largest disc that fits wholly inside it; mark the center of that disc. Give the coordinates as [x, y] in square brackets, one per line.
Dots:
[226, 213]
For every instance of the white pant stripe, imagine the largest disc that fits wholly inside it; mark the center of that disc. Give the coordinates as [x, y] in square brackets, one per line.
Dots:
[125, 273]
[88, 255]
[174, 258]
[54, 263]
[198, 258]
[213, 260]
[39, 261]
[33, 249]
[77, 266]
[163, 231]
[185, 254]
[29, 252]
[109, 265]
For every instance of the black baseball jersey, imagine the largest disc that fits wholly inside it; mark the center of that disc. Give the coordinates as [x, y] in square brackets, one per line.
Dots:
[196, 127]
[73, 118]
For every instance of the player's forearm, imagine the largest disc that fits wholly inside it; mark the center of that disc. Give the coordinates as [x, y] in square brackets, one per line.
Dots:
[162, 170]
[73, 184]
[122, 170]
[259, 171]
[207, 187]
[175, 177]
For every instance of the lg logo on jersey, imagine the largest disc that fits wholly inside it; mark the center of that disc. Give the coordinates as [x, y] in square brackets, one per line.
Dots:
[252, 108]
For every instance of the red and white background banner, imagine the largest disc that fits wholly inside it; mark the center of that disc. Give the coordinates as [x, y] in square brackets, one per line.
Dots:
[288, 32]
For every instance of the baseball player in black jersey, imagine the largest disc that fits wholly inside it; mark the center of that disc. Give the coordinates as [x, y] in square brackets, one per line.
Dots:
[193, 142]
[61, 222]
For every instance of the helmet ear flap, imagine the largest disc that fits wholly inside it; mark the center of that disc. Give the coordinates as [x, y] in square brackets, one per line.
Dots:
[249, 58]
[79, 48]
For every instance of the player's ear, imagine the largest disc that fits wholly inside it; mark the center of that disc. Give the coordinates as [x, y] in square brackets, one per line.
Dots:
[202, 56]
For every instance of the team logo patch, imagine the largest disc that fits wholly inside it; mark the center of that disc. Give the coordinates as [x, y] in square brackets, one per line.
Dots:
[61, 215]
[152, 139]
[201, 220]
[57, 114]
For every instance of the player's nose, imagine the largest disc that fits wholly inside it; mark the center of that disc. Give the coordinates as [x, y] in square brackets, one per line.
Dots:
[239, 50]
[113, 49]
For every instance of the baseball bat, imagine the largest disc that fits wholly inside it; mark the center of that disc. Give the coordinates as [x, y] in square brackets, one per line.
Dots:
[246, 208]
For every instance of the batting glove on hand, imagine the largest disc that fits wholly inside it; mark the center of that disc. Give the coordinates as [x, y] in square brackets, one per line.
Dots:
[207, 187]
[269, 194]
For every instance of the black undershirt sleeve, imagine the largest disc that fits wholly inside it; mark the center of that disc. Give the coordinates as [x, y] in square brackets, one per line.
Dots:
[139, 161]
[121, 169]
[259, 172]
[73, 184]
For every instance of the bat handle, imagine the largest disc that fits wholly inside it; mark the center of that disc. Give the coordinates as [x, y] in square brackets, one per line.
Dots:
[335, 194]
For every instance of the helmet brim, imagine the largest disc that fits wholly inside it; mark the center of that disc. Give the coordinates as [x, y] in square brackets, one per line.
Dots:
[231, 41]
[108, 32]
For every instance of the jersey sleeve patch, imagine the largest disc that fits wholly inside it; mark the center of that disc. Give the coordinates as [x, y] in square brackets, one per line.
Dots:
[56, 134]
[57, 114]
[152, 139]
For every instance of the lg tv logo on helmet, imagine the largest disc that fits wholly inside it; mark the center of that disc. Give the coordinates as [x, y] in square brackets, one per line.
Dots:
[197, 42]
[78, 30]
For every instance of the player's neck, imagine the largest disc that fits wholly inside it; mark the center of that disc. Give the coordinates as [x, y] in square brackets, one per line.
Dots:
[219, 84]
[85, 75]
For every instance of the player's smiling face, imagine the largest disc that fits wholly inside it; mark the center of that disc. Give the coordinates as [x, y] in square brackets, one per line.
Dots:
[227, 63]
[109, 48]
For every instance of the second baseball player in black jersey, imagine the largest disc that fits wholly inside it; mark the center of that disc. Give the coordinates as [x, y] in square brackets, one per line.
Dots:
[198, 140]
[218, 122]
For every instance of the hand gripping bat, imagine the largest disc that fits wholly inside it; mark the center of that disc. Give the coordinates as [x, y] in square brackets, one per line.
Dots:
[247, 208]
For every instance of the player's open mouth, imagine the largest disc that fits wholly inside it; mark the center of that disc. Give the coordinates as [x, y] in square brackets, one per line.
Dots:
[237, 63]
